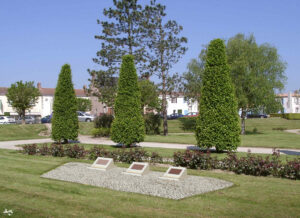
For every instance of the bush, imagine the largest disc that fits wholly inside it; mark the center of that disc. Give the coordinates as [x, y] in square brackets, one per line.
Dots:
[250, 165]
[64, 120]
[30, 149]
[152, 123]
[292, 116]
[131, 155]
[276, 115]
[195, 160]
[100, 132]
[188, 123]
[218, 122]
[279, 128]
[156, 158]
[103, 121]
[57, 150]
[44, 150]
[99, 151]
[75, 151]
[128, 125]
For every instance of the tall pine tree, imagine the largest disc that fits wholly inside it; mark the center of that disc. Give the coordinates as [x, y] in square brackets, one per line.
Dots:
[218, 121]
[128, 125]
[65, 120]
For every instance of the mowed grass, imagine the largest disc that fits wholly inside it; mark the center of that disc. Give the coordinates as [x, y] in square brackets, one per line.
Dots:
[28, 195]
[19, 132]
[266, 136]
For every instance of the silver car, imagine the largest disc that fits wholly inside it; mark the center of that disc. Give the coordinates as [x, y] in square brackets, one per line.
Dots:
[7, 120]
[28, 120]
[84, 117]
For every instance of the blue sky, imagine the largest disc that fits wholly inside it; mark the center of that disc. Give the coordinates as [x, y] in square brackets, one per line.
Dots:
[37, 36]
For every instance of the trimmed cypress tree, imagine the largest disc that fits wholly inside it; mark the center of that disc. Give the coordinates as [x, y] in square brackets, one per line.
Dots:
[218, 121]
[128, 125]
[64, 120]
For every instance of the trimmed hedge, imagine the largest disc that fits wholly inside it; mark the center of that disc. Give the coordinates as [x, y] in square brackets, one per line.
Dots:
[292, 116]
[218, 123]
[288, 116]
[128, 126]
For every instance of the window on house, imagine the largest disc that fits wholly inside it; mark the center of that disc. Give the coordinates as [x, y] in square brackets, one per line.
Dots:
[173, 100]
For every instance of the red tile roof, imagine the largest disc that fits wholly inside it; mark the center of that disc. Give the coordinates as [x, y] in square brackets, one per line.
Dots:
[47, 91]
[3, 90]
[51, 91]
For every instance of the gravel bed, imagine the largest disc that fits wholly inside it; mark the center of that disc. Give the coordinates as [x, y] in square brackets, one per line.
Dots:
[149, 184]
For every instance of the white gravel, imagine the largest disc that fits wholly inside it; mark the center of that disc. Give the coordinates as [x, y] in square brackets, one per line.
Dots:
[149, 184]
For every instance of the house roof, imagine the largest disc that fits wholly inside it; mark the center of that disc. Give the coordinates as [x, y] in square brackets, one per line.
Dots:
[3, 90]
[47, 91]
[285, 95]
[51, 91]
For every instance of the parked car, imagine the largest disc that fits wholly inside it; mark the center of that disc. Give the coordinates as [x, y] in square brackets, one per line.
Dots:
[174, 116]
[191, 114]
[28, 120]
[7, 120]
[46, 119]
[249, 116]
[84, 117]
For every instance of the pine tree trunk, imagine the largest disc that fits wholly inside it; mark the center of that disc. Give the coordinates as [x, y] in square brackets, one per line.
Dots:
[243, 116]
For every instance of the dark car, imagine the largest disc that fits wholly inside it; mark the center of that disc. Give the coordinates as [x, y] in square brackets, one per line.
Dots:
[192, 114]
[46, 119]
[174, 116]
[249, 116]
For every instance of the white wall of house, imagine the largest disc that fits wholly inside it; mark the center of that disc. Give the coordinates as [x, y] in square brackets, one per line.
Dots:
[43, 107]
[177, 104]
[291, 103]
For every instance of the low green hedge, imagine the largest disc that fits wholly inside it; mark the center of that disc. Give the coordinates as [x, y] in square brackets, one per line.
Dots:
[275, 115]
[290, 116]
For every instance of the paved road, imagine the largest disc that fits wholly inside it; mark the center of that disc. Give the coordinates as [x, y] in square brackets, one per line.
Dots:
[104, 141]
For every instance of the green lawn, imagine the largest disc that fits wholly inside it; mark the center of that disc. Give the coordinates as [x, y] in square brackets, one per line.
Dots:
[28, 195]
[266, 136]
[19, 132]
[268, 139]
[85, 128]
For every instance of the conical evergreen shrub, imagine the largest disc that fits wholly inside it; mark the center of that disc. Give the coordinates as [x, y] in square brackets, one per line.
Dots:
[218, 121]
[128, 125]
[64, 120]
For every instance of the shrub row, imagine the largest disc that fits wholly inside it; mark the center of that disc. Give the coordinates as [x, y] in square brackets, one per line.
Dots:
[289, 116]
[75, 151]
[249, 165]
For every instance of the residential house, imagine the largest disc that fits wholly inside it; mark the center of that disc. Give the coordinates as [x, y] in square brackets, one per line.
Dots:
[177, 103]
[44, 105]
[290, 102]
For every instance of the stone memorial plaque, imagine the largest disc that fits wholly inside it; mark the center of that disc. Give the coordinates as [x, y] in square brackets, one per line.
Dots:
[137, 169]
[102, 163]
[175, 173]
